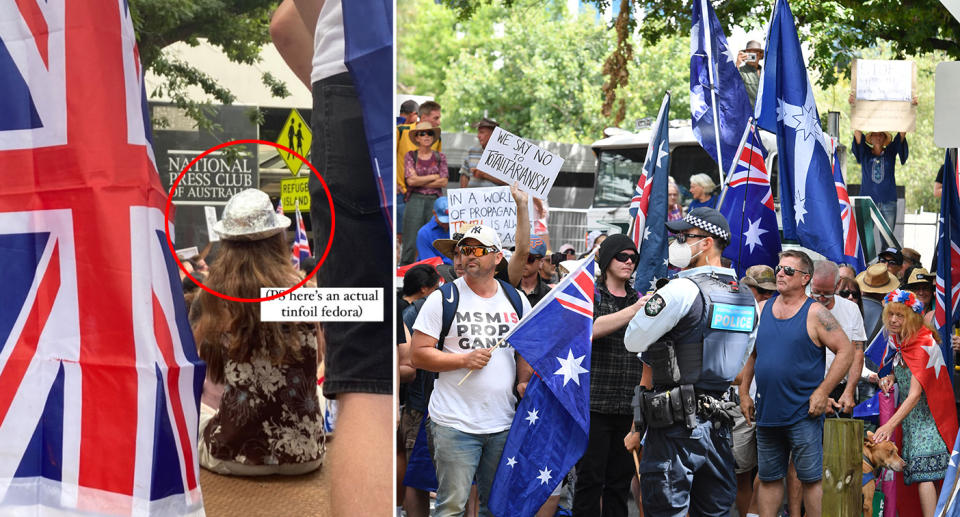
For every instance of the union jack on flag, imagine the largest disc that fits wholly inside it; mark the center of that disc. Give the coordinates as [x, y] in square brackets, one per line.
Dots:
[947, 310]
[852, 251]
[648, 208]
[301, 246]
[638, 207]
[99, 375]
[550, 428]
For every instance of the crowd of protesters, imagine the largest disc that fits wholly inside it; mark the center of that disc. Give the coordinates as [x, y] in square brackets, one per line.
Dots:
[830, 311]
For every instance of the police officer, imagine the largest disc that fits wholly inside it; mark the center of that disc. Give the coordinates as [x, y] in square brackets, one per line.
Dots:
[693, 336]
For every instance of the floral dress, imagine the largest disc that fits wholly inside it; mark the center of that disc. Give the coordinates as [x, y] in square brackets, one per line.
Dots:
[923, 448]
[270, 412]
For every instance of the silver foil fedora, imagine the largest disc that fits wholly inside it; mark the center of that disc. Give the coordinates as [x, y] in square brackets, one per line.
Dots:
[249, 216]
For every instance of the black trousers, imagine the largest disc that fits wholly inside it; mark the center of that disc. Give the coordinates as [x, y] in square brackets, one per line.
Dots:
[359, 356]
[605, 470]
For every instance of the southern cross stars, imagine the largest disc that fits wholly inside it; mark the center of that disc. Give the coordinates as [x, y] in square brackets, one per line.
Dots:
[570, 368]
[511, 461]
[532, 416]
[753, 234]
[544, 476]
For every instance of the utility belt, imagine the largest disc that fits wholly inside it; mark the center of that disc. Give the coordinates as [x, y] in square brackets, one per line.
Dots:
[681, 404]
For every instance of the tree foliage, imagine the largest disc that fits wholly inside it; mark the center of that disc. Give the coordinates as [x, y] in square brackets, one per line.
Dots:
[535, 70]
[239, 27]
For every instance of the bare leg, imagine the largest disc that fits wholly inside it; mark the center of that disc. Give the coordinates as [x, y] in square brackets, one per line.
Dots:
[744, 492]
[812, 495]
[416, 502]
[794, 491]
[473, 504]
[754, 505]
[549, 508]
[770, 497]
[360, 455]
[928, 498]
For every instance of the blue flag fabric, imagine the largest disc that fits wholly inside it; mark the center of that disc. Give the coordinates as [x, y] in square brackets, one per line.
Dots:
[881, 351]
[421, 473]
[709, 52]
[947, 310]
[852, 250]
[747, 203]
[947, 504]
[549, 432]
[785, 106]
[868, 409]
[653, 246]
[368, 56]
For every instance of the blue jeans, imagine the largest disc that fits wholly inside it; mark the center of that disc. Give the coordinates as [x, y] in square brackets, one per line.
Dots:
[889, 212]
[458, 458]
[400, 203]
[802, 440]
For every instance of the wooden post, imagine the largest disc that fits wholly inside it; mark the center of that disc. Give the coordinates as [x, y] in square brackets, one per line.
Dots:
[842, 474]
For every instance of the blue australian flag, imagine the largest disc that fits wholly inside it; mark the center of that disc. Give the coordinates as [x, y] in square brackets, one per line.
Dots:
[549, 432]
[785, 106]
[881, 351]
[653, 236]
[714, 78]
[947, 311]
[947, 504]
[747, 204]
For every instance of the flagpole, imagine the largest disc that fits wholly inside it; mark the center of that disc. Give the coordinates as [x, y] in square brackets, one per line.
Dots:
[733, 163]
[713, 86]
[743, 209]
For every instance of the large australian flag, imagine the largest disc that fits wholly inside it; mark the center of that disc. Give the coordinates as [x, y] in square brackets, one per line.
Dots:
[947, 311]
[550, 429]
[714, 78]
[785, 106]
[648, 208]
[747, 204]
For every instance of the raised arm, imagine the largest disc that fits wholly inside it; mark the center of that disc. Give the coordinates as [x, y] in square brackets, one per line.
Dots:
[293, 40]
[519, 257]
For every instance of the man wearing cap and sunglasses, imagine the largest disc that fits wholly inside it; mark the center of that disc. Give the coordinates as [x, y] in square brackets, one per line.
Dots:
[470, 418]
[693, 336]
[792, 391]
[470, 175]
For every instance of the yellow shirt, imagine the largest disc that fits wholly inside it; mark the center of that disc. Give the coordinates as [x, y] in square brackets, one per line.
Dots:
[404, 146]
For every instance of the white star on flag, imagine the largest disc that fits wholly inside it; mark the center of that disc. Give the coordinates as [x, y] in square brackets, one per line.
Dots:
[661, 153]
[936, 358]
[753, 234]
[532, 416]
[803, 120]
[729, 53]
[570, 368]
[646, 232]
[953, 458]
[511, 461]
[544, 476]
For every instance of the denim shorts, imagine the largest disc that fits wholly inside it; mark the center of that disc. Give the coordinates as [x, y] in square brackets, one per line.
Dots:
[359, 355]
[803, 440]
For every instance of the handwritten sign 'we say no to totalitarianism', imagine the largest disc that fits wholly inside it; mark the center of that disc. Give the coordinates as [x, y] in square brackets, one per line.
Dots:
[513, 159]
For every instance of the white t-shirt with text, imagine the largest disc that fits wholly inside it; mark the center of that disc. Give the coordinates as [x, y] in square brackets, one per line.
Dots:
[484, 403]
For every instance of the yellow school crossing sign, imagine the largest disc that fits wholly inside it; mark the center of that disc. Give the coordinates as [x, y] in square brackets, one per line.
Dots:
[295, 135]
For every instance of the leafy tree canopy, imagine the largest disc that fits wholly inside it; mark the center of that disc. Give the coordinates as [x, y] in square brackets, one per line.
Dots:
[239, 27]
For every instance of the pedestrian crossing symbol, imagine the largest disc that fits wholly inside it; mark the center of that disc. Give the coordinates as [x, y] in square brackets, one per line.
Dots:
[295, 135]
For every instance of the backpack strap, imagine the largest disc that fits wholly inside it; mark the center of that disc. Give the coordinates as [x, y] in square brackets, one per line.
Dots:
[513, 295]
[450, 298]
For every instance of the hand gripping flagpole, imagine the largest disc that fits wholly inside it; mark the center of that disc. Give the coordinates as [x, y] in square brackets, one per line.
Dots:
[713, 86]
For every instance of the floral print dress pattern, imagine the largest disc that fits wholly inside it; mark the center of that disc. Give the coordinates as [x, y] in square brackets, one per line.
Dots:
[270, 413]
[923, 448]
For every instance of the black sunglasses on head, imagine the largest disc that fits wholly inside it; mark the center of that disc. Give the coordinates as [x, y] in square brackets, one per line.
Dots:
[788, 270]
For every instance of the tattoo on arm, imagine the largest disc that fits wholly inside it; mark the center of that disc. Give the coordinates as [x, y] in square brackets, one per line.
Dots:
[827, 321]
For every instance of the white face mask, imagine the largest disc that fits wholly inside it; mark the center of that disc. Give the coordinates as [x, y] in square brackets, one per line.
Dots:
[680, 255]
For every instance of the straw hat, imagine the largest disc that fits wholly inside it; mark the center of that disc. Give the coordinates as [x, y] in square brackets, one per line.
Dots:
[920, 275]
[249, 216]
[876, 279]
[423, 126]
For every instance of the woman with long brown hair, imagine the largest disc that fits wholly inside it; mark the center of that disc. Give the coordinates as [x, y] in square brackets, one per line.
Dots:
[269, 419]
[926, 411]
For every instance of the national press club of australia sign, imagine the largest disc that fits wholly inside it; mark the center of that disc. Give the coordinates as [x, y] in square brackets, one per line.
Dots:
[213, 179]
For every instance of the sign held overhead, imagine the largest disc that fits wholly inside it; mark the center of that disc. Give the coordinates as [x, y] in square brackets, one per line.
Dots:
[513, 159]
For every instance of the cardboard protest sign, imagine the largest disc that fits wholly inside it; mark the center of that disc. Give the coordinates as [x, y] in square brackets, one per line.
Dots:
[489, 206]
[884, 91]
[513, 159]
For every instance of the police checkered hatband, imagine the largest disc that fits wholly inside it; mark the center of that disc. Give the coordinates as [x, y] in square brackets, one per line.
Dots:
[708, 227]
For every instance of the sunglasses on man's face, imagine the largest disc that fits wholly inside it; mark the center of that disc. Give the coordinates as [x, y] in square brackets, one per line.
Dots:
[844, 293]
[624, 257]
[682, 237]
[788, 270]
[883, 260]
[477, 251]
[424, 133]
[531, 258]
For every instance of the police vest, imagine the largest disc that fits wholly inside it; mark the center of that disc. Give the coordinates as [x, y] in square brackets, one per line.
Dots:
[707, 346]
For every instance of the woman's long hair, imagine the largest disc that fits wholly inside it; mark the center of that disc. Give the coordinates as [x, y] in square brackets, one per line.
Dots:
[228, 329]
[912, 322]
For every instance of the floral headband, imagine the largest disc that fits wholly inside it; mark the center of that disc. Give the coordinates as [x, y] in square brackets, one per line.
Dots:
[905, 297]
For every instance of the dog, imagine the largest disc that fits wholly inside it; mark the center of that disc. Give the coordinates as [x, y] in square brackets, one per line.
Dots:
[875, 457]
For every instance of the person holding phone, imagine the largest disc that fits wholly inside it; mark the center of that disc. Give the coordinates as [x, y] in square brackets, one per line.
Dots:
[748, 62]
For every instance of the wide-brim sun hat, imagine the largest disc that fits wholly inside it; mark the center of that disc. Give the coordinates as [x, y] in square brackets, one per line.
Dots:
[876, 279]
[423, 126]
[249, 216]
[920, 276]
